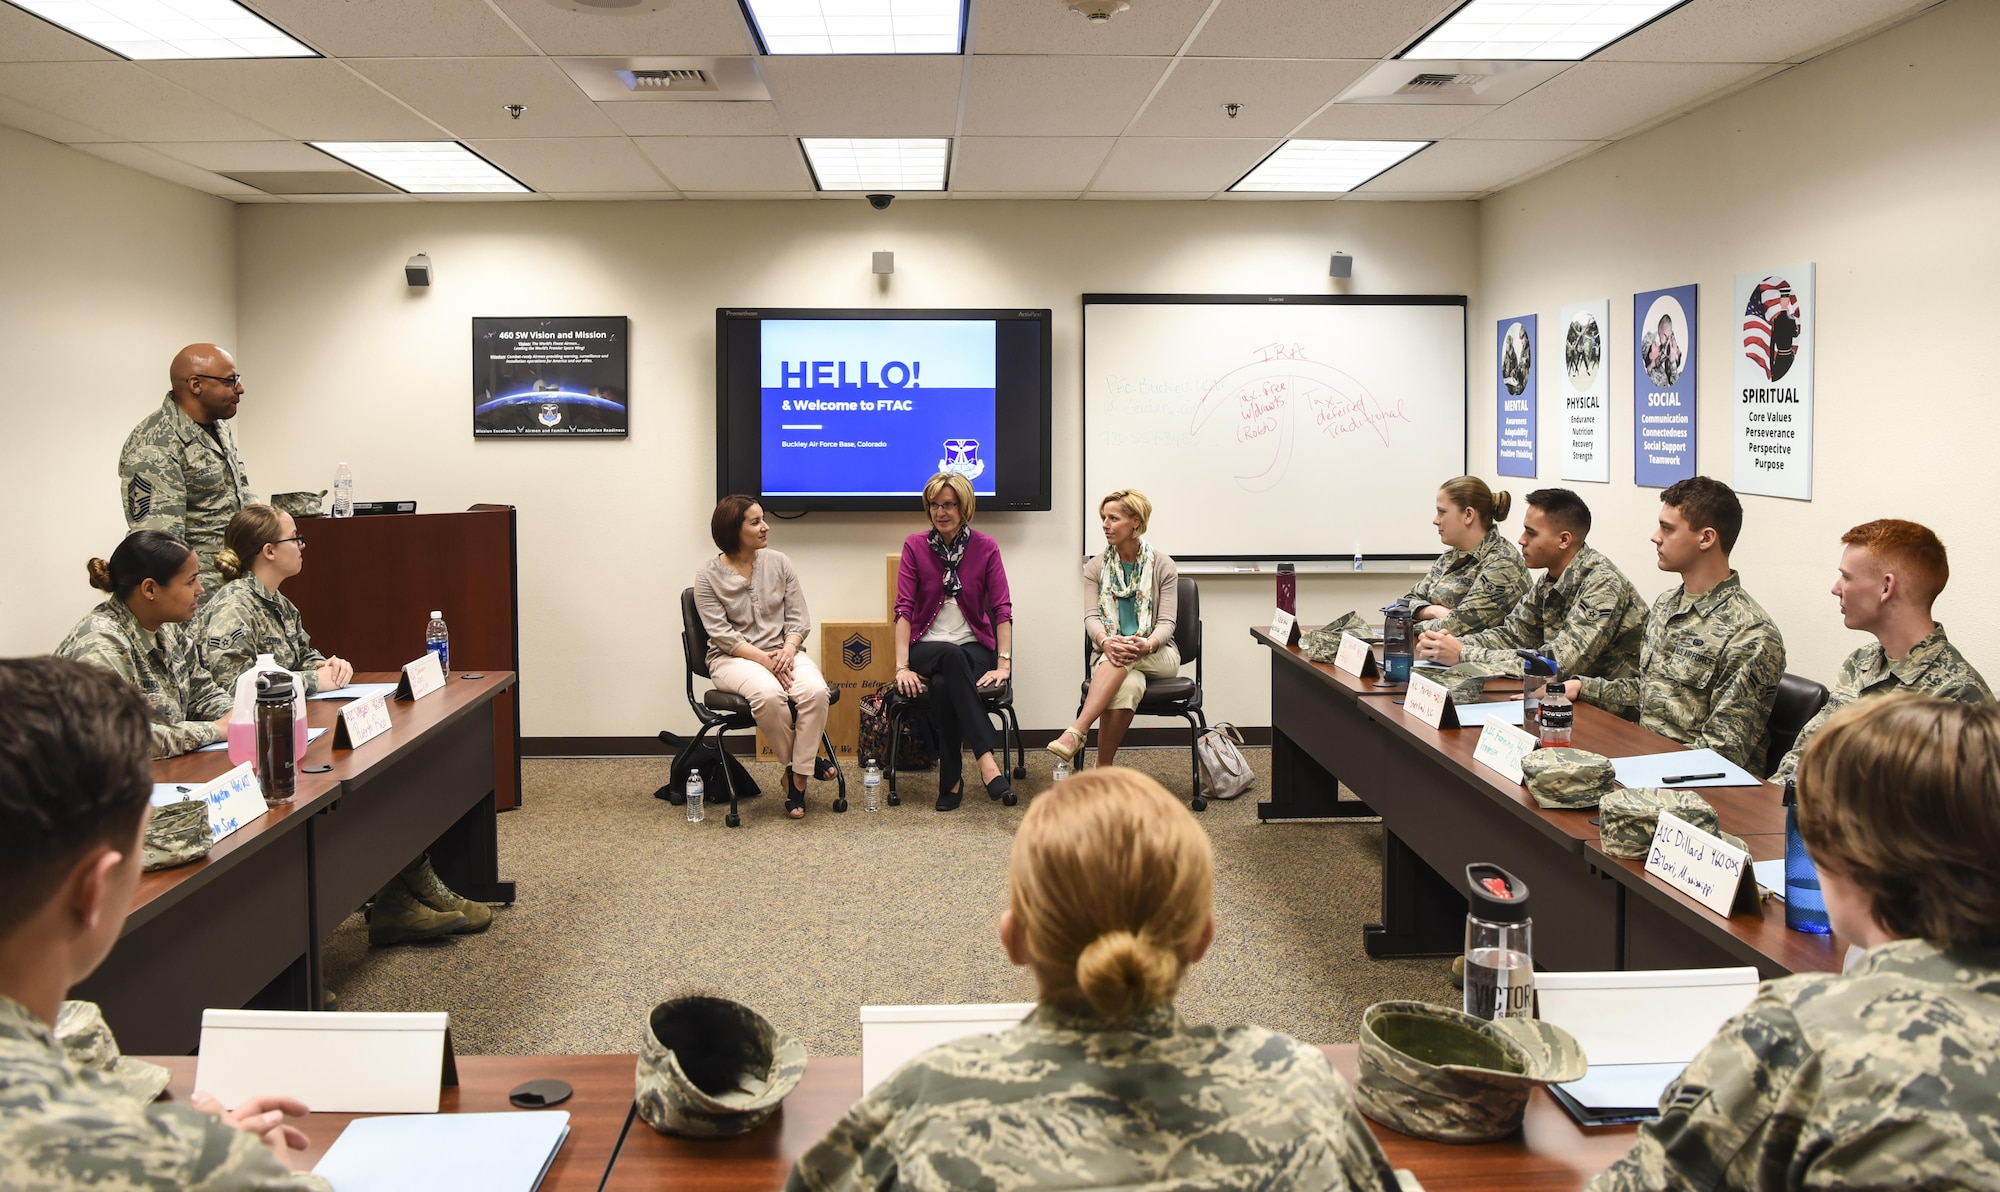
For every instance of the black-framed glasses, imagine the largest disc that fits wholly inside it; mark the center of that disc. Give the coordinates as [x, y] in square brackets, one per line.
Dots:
[298, 538]
[951, 504]
[232, 380]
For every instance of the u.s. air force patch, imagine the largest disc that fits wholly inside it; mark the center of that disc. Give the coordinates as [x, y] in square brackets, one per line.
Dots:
[138, 499]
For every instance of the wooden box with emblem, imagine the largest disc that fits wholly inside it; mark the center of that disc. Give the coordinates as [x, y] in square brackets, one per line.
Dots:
[856, 657]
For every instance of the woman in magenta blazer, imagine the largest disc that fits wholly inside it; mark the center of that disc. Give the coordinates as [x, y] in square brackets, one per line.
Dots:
[954, 632]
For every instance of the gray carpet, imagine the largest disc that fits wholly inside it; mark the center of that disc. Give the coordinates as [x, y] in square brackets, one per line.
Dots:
[623, 904]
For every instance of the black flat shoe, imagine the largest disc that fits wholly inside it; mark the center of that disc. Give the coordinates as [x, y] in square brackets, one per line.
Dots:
[795, 800]
[1001, 789]
[949, 800]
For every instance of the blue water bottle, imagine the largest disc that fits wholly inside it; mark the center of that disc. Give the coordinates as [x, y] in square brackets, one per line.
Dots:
[1805, 904]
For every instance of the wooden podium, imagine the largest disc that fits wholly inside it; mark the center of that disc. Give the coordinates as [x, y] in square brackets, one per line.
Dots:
[370, 584]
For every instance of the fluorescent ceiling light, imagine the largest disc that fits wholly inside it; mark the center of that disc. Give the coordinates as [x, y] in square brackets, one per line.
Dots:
[170, 28]
[1325, 165]
[424, 167]
[1536, 30]
[878, 163]
[858, 26]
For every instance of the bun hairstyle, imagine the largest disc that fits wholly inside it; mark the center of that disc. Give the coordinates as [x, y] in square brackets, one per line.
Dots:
[253, 528]
[1111, 886]
[144, 555]
[1470, 492]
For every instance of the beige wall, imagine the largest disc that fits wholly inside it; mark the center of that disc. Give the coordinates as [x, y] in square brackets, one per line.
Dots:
[1880, 162]
[351, 364]
[107, 274]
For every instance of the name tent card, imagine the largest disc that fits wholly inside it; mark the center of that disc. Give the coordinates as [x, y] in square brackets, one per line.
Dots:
[420, 678]
[1356, 657]
[233, 801]
[336, 1063]
[362, 721]
[1702, 866]
[1430, 702]
[1501, 748]
[1285, 627]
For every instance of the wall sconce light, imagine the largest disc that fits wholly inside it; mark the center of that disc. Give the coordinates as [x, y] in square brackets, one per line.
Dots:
[885, 262]
[1342, 266]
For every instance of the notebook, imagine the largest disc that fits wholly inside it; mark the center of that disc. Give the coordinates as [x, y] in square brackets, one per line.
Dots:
[1639, 1029]
[446, 1152]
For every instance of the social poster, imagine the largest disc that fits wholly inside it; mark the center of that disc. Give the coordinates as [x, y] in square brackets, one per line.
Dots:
[1663, 392]
[1771, 433]
[549, 377]
[1586, 393]
[1514, 388]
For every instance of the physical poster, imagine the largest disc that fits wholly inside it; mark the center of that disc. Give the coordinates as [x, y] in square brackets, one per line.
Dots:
[1514, 388]
[557, 376]
[1586, 392]
[1771, 433]
[1663, 391]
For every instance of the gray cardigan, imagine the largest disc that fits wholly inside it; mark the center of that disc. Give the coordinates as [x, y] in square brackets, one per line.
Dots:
[1166, 600]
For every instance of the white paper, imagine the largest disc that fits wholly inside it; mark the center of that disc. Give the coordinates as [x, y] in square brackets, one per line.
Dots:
[1770, 875]
[1506, 711]
[1623, 1086]
[335, 1063]
[1641, 1016]
[312, 734]
[447, 1152]
[356, 691]
[1656, 769]
[893, 1035]
[173, 792]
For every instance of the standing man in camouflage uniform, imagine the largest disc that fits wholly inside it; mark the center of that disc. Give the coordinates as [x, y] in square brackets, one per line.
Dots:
[1890, 573]
[179, 471]
[1583, 612]
[1884, 1077]
[1712, 659]
[74, 785]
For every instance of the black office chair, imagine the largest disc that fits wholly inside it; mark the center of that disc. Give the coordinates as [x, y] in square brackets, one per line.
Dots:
[997, 701]
[721, 711]
[1178, 696]
[1799, 699]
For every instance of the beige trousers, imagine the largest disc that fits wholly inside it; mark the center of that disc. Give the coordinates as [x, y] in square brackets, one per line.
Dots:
[1163, 663]
[796, 747]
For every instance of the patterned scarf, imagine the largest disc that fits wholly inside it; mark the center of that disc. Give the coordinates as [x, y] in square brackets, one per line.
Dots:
[951, 554]
[1115, 581]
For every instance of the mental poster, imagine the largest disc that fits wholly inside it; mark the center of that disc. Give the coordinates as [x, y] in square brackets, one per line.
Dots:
[1514, 390]
[1586, 392]
[557, 376]
[1772, 400]
[1663, 390]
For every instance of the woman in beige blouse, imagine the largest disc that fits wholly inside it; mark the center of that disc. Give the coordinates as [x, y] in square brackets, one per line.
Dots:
[1134, 592]
[756, 620]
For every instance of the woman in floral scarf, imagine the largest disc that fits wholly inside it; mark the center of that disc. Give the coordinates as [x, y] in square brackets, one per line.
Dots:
[1130, 619]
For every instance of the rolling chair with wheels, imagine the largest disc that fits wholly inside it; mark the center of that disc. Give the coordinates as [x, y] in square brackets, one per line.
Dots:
[721, 711]
[1179, 696]
[995, 701]
[1799, 699]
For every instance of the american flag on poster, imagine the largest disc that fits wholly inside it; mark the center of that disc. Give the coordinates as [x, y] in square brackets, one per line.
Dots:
[1771, 327]
[1772, 396]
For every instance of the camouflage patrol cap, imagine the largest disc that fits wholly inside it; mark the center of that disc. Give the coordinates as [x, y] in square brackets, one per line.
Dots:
[1631, 814]
[87, 1040]
[1437, 1073]
[1467, 680]
[177, 834]
[1323, 643]
[1567, 779]
[301, 504]
[713, 1068]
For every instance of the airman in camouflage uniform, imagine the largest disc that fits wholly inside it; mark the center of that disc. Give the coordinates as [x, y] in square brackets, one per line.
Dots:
[1479, 586]
[1063, 1101]
[163, 667]
[1589, 619]
[180, 474]
[1933, 666]
[1884, 1078]
[1708, 672]
[246, 619]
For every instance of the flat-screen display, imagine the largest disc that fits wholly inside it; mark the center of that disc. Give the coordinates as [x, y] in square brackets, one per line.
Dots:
[856, 409]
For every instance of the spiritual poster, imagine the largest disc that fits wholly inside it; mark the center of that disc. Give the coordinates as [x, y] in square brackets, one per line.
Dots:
[1515, 389]
[556, 376]
[1773, 395]
[1663, 398]
[1586, 393]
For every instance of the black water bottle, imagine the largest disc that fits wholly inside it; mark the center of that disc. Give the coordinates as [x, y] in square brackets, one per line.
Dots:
[276, 763]
[1397, 642]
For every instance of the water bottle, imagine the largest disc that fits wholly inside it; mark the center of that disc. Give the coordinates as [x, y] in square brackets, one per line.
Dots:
[1536, 672]
[1288, 589]
[1499, 945]
[694, 796]
[1357, 560]
[1805, 903]
[437, 640]
[1060, 772]
[343, 491]
[1397, 643]
[276, 765]
[871, 786]
[1558, 714]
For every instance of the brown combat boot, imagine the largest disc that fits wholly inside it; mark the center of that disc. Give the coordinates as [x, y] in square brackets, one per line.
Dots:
[398, 917]
[430, 890]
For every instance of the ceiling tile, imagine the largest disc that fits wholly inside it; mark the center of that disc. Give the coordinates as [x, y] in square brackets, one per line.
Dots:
[1025, 95]
[48, 125]
[865, 95]
[1149, 196]
[1276, 95]
[233, 157]
[1391, 121]
[696, 118]
[1288, 29]
[397, 28]
[682, 27]
[591, 163]
[126, 101]
[1179, 165]
[159, 165]
[311, 99]
[1596, 100]
[468, 96]
[730, 164]
[1048, 27]
[1026, 163]
[28, 38]
[1754, 30]
[1479, 166]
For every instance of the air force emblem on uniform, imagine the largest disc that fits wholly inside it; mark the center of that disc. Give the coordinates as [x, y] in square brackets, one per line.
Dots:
[138, 499]
[551, 413]
[856, 651]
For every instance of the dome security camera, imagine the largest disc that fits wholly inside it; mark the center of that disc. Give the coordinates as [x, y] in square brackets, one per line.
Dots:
[881, 202]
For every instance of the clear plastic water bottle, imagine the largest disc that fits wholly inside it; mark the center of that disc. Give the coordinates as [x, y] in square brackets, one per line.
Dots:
[695, 793]
[1499, 945]
[1557, 714]
[437, 639]
[1060, 772]
[1805, 902]
[871, 786]
[343, 490]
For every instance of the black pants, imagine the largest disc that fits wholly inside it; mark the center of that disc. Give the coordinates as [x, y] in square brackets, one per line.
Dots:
[953, 672]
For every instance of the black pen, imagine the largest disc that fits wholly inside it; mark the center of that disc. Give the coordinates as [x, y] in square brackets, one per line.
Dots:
[1692, 777]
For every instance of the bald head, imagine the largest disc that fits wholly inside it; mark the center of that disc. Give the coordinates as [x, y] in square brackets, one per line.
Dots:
[203, 385]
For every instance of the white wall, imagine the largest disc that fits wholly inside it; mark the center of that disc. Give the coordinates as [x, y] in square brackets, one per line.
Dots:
[1881, 162]
[351, 364]
[108, 273]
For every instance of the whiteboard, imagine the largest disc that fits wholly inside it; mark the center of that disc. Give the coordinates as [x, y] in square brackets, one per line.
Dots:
[1275, 427]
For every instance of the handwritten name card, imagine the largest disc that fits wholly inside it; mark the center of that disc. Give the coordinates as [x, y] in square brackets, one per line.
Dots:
[1430, 702]
[1501, 748]
[362, 721]
[1702, 866]
[420, 678]
[233, 801]
[1356, 657]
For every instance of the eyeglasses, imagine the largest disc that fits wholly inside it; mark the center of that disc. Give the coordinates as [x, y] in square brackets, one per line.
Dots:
[233, 380]
[942, 504]
[298, 538]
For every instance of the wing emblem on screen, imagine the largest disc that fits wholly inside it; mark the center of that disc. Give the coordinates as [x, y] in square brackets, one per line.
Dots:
[962, 456]
[551, 414]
